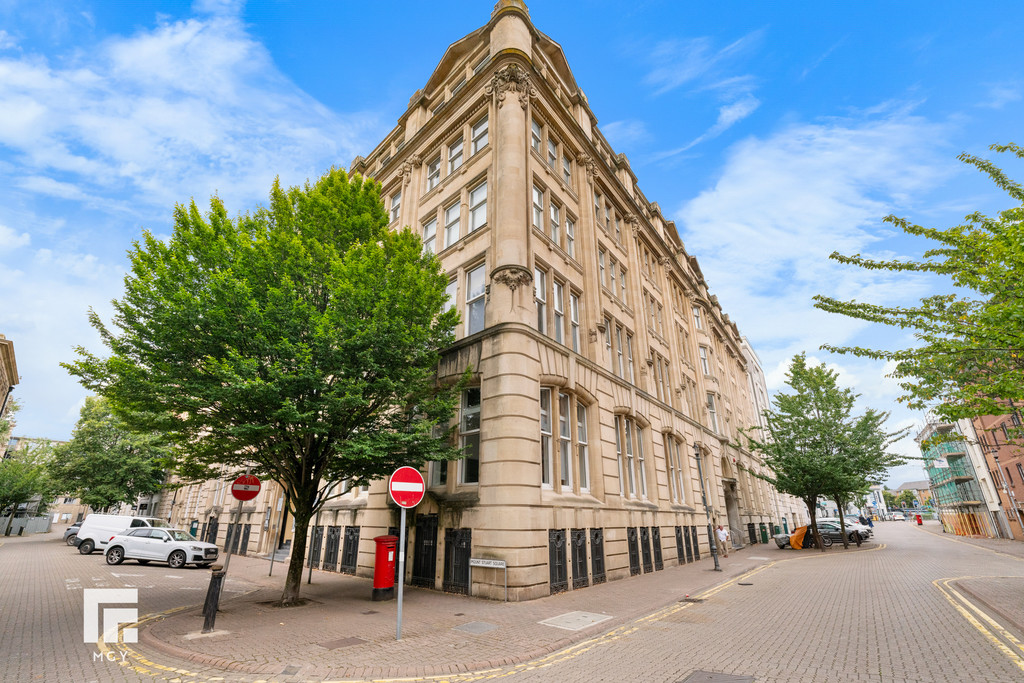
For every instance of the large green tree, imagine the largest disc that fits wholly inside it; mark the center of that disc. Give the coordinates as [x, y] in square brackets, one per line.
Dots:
[300, 340]
[106, 463]
[970, 359]
[813, 445]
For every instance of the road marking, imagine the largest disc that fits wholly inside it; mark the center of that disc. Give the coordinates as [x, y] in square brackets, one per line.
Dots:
[1004, 641]
[120, 575]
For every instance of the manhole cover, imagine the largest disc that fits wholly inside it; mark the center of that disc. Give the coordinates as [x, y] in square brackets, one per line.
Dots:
[476, 627]
[290, 671]
[341, 642]
[741, 583]
[712, 677]
[575, 621]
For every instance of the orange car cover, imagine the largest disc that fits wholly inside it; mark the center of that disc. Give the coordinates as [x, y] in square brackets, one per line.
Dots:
[797, 538]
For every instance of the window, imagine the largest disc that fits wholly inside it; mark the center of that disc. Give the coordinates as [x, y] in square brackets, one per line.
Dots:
[612, 268]
[469, 433]
[475, 300]
[396, 206]
[697, 321]
[641, 471]
[705, 366]
[481, 64]
[600, 266]
[712, 413]
[478, 207]
[597, 209]
[545, 437]
[480, 135]
[622, 284]
[556, 224]
[675, 472]
[452, 216]
[535, 136]
[430, 236]
[574, 321]
[1020, 471]
[458, 86]
[608, 336]
[628, 440]
[454, 156]
[582, 457]
[540, 293]
[451, 291]
[538, 208]
[433, 173]
[566, 169]
[629, 357]
[607, 218]
[619, 368]
[618, 455]
[438, 473]
[564, 441]
[552, 154]
[570, 237]
[570, 466]
[618, 230]
[559, 310]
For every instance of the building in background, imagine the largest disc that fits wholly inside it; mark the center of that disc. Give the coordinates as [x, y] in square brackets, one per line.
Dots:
[962, 490]
[921, 489]
[998, 442]
[8, 379]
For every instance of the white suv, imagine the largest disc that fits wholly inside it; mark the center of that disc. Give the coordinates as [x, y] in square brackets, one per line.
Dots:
[173, 546]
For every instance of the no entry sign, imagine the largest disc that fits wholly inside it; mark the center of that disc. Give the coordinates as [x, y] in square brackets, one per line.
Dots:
[246, 487]
[406, 487]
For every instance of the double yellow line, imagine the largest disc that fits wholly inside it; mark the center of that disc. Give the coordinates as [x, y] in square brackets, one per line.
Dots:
[992, 630]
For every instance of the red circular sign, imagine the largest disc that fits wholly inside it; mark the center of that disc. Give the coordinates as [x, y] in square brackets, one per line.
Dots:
[406, 487]
[246, 487]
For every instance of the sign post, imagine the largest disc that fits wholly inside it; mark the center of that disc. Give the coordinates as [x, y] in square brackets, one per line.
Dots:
[406, 487]
[246, 487]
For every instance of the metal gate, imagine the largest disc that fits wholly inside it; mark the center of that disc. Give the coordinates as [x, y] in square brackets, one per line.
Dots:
[634, 551]
[752, 533]
[578, 538]
[331, 549]
[316, 540]
[680, 553]
[424, 555]
[231, 538]
[659, 563]
[211, 531]
[597, 555]
[557, 569]
[687, 543]
[695, 542]
[457, 550]
[350, 550]
[645, 549]
[244, 546]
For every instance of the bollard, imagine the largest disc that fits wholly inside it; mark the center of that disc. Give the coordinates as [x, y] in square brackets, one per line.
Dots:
[212, 598]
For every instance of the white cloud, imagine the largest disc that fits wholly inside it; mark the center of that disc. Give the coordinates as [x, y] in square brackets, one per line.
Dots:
[1001, 94]
[677, 62]
[624, 133]
[728, 115]
[7, 41]
[10, 240]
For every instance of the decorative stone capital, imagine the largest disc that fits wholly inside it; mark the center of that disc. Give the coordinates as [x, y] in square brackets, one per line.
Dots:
[405, 173]
[587, 162]
[511, 78]
[512, 277]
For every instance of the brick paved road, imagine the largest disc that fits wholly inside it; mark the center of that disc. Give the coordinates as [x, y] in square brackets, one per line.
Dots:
[902, 612]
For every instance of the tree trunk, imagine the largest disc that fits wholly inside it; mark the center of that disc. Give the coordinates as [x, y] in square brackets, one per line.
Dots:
[812, 510]
[302, 514]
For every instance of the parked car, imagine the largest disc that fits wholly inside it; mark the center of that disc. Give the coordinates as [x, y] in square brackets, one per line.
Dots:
[830, 533]
[898, 517]
[852, 524]
[176, 547]
[71, 533]
[97, 530]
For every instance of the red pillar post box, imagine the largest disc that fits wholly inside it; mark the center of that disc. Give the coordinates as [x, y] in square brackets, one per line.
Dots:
[384, 567]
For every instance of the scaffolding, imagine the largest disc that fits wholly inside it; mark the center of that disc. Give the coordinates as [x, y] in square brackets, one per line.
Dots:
[956, 493]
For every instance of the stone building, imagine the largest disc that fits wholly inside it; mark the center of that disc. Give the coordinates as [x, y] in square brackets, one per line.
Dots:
[8, 376]
[601, 362]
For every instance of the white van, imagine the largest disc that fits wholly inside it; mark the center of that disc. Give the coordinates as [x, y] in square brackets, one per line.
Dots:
[97, 530]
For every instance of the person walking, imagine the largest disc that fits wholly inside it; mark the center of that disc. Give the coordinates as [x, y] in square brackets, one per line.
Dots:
[723, 537]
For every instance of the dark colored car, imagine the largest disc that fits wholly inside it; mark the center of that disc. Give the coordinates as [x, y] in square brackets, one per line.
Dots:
[72, 533]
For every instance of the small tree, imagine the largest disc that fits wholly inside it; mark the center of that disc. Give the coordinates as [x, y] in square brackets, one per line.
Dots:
[301, 340]
[22, 478]
[890, 499]
[105, 463]
[813, 446]
[970, 360]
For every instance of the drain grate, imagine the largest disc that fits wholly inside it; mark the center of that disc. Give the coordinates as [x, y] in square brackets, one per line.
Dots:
[290, 671]
[745, 584]
[692, 600]
[341, 642]
[714, 677]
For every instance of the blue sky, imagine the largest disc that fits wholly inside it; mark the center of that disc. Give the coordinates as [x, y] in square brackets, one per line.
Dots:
[773, 133]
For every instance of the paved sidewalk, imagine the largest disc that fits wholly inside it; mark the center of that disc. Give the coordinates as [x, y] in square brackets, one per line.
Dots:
[341, 633]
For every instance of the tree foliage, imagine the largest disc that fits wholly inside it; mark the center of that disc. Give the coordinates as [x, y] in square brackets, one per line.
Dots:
[812, 444]
[105, 463]
[22, 477]
[970, 360]
[301, 340]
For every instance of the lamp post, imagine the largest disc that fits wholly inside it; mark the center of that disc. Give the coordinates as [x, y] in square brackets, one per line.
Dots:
[707, 510]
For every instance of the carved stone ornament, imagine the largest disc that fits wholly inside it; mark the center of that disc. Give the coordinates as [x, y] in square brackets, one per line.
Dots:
[407, 167]
[511, 78]
[587, 162]
[513, 277]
